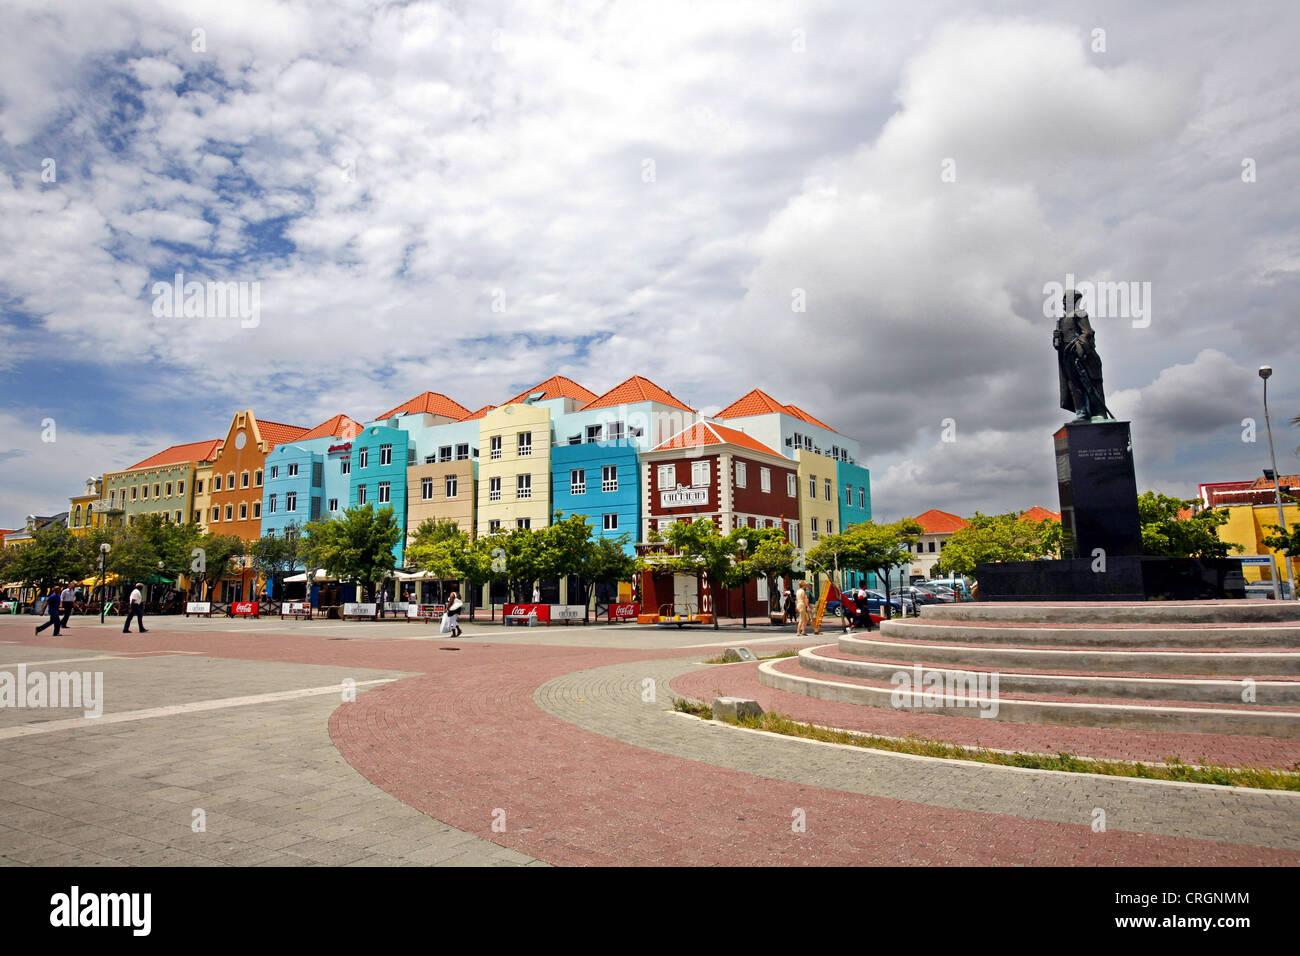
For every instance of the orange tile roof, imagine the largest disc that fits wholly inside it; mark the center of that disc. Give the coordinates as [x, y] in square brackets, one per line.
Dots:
[799, 413]
[935, 521]
[277, 433]
[428, 403]
[340, 426]
[636, 389]
[1039, 513]
[478, 414]
[711, 433]
[758, 402]
[556, 386]
[1286, 481]
[194, 451]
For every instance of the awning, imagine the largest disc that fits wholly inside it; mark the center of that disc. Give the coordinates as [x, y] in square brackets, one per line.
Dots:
[94, 581]
[301, 577]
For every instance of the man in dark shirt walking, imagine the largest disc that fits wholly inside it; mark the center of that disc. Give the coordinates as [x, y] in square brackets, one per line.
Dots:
[52, 607]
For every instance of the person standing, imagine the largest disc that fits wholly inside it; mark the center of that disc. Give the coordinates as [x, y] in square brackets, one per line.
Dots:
[537, 595]
[67, 599]
[801, 607]
[135, 608]
[52, 606]
[454, 607]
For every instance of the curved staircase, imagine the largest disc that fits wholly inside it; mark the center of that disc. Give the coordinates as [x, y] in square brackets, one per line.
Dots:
[1216, 668]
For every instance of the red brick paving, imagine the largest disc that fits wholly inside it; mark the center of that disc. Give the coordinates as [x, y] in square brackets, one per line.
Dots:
[465, 737]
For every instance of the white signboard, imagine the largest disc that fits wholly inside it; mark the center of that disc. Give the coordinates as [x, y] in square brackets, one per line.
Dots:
[359, 610]
[567, 612]
[296, 607]
[683, 497]
[198, 607]
[396, 607]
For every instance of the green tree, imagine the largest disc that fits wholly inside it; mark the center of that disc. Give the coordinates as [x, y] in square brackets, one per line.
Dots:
[275, 557]
[441, 549]
[216, 559]
[866, 548]
[996, 538]
[1165, 534]
[53, 556]
[759, 552]
[697, 548]
[357, 547]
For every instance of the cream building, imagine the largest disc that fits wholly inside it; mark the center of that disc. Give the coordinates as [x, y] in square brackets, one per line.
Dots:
[818, 498]
[514, 471]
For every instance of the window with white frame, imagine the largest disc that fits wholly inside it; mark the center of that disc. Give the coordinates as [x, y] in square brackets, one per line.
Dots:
[334, 504]
[243, 512]
[363, 458]
[593, 433]
[830, 526]
[257, 509]
[862, 497]
[169, 489]
[741, 476]
[611, 522]
[614, 432]
[814, 525]
[451, 486]
[426, 489]
[524, 444]
[230, 512]
[291, 501]
[230, 481]
[578, 481]
[609, 478]
[699, 474]
[523, 486]
[216, 514]
[385, 492]
[462, 451]
[791, 486]
[361, 494]
[830, 494]
[257, 478]
[667, 480]
[275, 472]
[270, 504]
[345, 466]
[793, 534]
[812, 486]
[385, 454]
[848, 495]
[444, 453]
[765, 480]
[523, 522]
[494, 489]
[496, 447]
[494, 526]
[293, 470]
[430, 459]
[243, 479]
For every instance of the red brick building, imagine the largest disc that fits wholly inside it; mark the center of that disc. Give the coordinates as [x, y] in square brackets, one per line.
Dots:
[715, 472]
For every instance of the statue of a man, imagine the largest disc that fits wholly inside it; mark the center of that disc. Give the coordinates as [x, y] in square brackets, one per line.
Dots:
[1078, 363]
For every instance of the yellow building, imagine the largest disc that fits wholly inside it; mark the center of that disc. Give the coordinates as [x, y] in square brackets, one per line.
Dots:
[514, 471]
[83, 509]
[201, 505]
[818, 501]
[1248, 525]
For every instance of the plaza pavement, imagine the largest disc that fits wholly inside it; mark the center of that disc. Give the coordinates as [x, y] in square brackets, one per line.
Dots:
[521, 746]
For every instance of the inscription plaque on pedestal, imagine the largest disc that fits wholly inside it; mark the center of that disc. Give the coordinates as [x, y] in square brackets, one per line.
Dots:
[1098, 490]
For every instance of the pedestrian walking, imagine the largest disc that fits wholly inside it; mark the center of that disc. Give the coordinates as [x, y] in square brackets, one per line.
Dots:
[537, 595]
[135, 609]
[66, 600]
[52, 607]
[864, 609]
[801, 607]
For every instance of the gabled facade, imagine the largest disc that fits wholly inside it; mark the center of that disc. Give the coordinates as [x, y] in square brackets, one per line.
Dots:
[238, 474]
[161, 484]
[82, 514]
[378, 474]
[303, 479]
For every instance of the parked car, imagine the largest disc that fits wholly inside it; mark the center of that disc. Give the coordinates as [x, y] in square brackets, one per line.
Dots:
[875, 604]
[918, 594]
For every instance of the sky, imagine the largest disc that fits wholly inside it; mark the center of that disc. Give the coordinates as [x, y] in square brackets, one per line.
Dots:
[864, 209]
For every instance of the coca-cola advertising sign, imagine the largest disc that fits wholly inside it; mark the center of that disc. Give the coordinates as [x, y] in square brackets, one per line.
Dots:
[624, 611]
[521, 612]
[244, 609]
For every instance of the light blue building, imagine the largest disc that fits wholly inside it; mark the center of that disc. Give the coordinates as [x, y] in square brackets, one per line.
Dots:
[602, 481]
[377, 464]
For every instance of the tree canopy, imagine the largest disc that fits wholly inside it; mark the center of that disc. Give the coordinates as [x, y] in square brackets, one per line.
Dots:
[1164, 534]
[356, 547]
[996, 538]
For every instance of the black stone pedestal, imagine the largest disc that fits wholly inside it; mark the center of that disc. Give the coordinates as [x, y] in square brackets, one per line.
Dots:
[1098, 491]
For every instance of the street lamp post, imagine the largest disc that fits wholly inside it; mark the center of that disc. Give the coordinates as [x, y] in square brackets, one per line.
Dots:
[104, 548]
[1264, 372]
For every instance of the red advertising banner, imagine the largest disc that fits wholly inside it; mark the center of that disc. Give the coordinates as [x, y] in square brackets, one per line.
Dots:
[623, 612]
[521, 612]
[244, 609]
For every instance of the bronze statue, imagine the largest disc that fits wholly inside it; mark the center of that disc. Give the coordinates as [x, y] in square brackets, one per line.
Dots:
[1078, 363]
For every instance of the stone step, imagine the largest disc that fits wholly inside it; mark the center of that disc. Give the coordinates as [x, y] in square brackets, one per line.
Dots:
[1267, 694]
[1278, 636]
[1226, 663]
[1148, 612]
[1169, 718]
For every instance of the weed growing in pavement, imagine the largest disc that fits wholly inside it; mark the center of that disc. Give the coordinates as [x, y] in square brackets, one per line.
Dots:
[787, 652]
[684, 706]
[1173, 768]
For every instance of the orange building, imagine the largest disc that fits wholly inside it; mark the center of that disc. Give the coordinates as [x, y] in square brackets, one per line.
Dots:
[238, 473]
